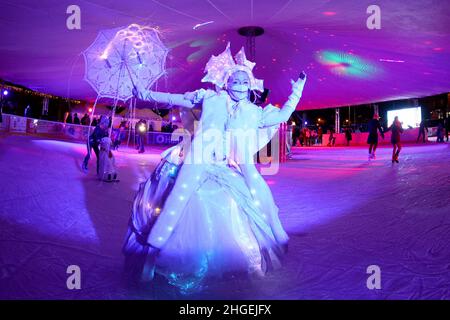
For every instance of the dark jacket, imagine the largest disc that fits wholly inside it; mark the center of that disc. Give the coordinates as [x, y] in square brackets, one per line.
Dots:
[97, 135]
[396, 130]
[374, 126]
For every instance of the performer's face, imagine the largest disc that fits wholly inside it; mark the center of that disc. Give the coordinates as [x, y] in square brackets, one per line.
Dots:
[238, 85]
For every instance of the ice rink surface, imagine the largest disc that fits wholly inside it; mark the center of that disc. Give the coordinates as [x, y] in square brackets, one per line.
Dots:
[342, 212]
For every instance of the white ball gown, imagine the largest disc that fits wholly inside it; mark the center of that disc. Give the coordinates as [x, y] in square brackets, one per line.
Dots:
[209, 218]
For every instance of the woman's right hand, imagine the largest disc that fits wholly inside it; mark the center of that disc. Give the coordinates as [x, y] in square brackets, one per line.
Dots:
[189, 96]
[140, 92]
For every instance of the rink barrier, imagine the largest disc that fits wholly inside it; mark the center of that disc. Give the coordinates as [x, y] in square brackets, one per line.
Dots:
[67, 131]
[74, 132]
[360, 139]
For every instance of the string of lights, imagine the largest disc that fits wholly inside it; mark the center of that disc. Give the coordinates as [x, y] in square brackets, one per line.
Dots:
[13, 88]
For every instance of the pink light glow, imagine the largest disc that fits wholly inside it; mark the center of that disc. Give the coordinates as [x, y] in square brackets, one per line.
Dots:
[329, 13]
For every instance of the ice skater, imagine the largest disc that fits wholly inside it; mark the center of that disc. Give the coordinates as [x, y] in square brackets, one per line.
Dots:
[447, 127]
[107, 170]
[93, 142]
[423, 131]
[372, 139]
[440, 133]
[141, 132]
[119, 135]
[348, 135]
[396, 131]
[331, 138]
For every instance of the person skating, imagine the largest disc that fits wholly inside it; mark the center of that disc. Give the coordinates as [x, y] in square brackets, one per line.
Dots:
[440, 133]
[447, 127]
[93, 143]
[374, 127]
[396, 131]
[331, 139]
[348, 135]
[141, 132]
[423, 130]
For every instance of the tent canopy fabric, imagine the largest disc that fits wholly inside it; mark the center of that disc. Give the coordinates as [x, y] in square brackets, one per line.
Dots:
[347, 63]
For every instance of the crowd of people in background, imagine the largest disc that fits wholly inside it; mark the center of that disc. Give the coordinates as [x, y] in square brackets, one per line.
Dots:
[306, 137]
[85, 120]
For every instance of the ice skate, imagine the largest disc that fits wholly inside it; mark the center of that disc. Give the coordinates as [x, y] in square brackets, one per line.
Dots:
[84, 167]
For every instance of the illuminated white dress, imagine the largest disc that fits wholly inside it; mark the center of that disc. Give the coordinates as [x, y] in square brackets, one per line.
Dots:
[206, 207]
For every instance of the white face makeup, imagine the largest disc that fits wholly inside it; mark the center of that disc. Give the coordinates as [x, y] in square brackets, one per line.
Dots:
[238, 85]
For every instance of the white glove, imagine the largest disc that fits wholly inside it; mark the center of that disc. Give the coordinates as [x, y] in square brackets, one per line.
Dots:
[141, 93]
[190, 96]
[297, 87]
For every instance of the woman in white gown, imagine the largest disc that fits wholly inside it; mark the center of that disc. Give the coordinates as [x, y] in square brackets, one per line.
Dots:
[206, 211]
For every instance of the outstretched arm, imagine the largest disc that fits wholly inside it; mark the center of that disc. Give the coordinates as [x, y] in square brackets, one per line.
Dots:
[381, 130]
[282, 115]
[162, 97]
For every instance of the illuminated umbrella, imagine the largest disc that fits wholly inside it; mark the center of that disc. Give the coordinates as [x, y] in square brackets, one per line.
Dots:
[122, 58]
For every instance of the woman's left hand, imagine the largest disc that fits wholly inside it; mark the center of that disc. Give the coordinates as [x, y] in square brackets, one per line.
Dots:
[297, 86]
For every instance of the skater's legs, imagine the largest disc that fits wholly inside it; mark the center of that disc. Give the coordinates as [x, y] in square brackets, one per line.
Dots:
[375, 145]
[96, 151]
[88, 155]
[372, 148]
[394, 151]
[141, 144]
[399, 148]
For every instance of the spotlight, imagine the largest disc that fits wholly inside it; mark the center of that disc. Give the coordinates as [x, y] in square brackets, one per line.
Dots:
[5, 92]
[90, 110]
[174, 118]
[142, 128]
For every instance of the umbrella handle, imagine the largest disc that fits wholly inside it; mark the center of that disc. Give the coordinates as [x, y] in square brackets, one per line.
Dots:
[135, 90]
